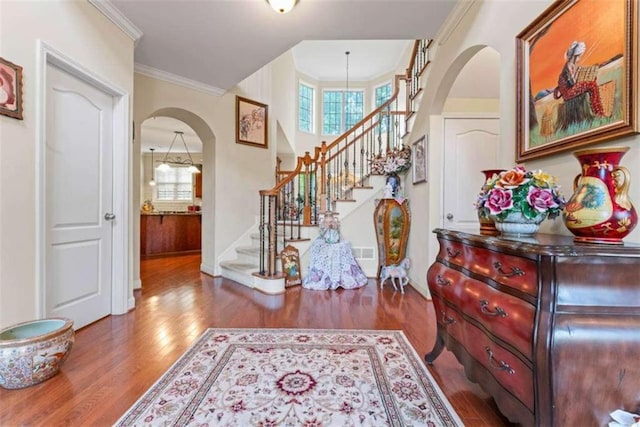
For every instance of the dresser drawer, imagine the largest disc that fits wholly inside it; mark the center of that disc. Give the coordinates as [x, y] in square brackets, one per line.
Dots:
[503, 315]
[445, 281]
[449, 319]
[506, 368]
[513, 271]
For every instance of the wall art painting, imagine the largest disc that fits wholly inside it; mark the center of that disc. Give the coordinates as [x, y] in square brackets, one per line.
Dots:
[419, 160]
[10, 89]
[251, 122]
[576, 76]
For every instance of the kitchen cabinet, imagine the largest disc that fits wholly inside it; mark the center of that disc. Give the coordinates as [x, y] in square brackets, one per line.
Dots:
[170, 233]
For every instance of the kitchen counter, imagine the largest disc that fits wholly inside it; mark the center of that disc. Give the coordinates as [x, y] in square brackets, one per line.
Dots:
[170, 233]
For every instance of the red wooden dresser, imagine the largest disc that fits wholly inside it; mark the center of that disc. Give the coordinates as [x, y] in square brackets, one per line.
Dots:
[549, 328]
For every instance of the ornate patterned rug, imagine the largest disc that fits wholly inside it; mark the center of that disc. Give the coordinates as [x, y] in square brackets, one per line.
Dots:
[295, 377]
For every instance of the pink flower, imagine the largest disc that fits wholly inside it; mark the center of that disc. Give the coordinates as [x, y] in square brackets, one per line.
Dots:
[499, 200]
[541, 199]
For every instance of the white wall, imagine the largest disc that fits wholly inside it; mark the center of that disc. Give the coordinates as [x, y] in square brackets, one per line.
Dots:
[496, 24]
[79, 31]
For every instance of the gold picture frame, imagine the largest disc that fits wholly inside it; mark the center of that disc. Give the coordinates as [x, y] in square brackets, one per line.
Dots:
[10, 89]
[576, 76]
[251, 122]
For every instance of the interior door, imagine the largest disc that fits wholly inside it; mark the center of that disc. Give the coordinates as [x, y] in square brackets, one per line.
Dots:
[471, 145]
[79, 199]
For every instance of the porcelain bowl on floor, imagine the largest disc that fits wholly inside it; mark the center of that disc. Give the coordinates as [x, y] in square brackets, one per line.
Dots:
[32, 352]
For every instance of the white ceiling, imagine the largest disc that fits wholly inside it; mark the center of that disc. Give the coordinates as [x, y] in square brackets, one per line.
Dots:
[219, 43]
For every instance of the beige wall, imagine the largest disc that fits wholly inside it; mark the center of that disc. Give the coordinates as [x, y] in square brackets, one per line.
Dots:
[495, 24]
[107, 53]
[232, 173]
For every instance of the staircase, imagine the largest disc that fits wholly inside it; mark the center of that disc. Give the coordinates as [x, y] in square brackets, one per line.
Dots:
[339, 177]
[246, 263]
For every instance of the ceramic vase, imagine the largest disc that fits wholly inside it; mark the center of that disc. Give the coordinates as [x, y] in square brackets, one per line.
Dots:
[394, 180]
[600, 211]
[516, 224]
[487, 225]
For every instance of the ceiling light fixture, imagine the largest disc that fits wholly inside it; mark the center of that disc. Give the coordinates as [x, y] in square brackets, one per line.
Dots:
[282, 6]
[167, 162]
[152, 182]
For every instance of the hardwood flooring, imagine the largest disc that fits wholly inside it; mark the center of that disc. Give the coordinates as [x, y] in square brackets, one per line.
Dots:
[116, 359]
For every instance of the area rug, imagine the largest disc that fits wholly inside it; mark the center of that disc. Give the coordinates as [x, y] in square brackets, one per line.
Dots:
[295, 377]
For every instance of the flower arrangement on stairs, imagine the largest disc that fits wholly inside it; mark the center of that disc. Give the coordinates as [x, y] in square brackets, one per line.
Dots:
[391, 164]
[523, 197]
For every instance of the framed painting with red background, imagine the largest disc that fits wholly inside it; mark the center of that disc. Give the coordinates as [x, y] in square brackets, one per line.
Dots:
[577, 76]
[10, 89]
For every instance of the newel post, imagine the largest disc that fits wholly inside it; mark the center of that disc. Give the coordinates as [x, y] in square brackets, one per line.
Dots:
[306, 211]
[323, 177]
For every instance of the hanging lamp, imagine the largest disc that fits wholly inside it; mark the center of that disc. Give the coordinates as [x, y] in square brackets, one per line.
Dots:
[167, 162]
[152, 182]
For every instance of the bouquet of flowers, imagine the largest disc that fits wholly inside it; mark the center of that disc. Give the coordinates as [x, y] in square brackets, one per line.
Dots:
[394, 161]
[519, 190]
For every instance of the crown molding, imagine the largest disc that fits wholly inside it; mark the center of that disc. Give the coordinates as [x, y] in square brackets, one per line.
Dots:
[452, 22]
[113, 13]
[178, 80]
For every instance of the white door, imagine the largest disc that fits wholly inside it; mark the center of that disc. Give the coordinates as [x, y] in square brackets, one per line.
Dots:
[470, 146]
[78, 199]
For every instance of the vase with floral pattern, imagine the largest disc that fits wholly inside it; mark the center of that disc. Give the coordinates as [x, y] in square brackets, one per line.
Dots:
[600, 211]
[394, 180]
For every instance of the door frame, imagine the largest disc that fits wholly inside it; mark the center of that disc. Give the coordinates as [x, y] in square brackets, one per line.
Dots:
[121, 294]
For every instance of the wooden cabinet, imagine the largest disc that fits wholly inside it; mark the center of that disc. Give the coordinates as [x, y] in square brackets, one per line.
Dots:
[197, 184]
[392, 220]
[549, 328]
[164, 234]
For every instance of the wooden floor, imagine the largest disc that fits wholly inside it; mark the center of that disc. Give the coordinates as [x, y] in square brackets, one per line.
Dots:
[117, 358]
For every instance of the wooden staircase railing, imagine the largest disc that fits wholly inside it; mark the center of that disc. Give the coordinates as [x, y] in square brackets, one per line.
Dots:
[335, 169]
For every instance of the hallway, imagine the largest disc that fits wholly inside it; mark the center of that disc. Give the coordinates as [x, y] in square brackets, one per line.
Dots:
[117, 358]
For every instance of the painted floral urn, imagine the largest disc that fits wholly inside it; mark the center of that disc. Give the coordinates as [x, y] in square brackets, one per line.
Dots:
[600, 211]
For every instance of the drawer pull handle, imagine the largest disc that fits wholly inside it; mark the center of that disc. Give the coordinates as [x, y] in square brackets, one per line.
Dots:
[484, 307]
[501, 365]
[446, 319]
[515, 271]
[453, 253]
[442, 282]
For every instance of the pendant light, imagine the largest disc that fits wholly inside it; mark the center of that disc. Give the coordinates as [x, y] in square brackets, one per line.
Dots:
[166, 162]
[152, 182]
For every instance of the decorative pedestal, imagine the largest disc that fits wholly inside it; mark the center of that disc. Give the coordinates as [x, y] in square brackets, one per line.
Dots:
[392, 220]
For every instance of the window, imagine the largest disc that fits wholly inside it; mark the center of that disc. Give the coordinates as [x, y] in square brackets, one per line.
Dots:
[341, 110]
[176, 184]
[305, 108]
[383, 93]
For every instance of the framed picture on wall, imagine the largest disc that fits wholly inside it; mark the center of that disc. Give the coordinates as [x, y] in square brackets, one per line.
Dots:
[251, 122]
[10, 89]
[576, 76]
[419, 160]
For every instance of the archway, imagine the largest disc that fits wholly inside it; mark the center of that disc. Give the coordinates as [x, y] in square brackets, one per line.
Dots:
[207, 137]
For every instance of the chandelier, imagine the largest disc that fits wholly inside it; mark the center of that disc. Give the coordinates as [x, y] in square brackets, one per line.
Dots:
[178, 161]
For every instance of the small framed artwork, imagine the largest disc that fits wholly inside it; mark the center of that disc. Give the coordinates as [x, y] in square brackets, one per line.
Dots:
[291, 266]
[419, 160]
[10, 89]
[251, 122]
[576, 76]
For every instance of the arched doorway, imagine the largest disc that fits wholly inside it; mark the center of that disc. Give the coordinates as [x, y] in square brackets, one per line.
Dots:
[205, 135]
[471, 132]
